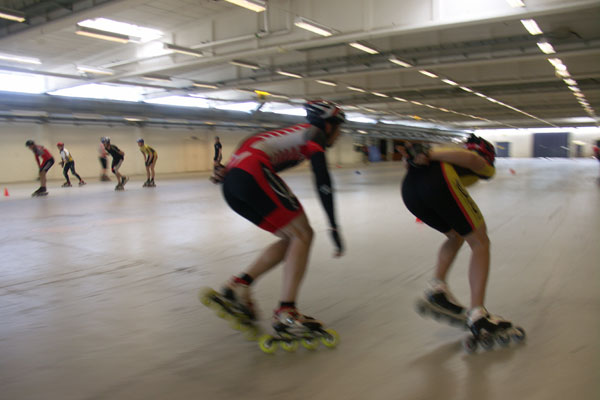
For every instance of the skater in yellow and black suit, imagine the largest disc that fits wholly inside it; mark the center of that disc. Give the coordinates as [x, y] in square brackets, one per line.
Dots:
[150, 158]
[435, 191]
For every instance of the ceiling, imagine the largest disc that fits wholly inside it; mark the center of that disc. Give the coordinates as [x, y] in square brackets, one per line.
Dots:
[480, 45]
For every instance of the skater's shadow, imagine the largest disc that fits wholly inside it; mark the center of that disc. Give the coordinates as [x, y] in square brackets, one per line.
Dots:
[439, 380]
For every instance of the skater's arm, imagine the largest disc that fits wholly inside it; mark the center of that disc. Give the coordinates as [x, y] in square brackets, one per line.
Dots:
[323, 183]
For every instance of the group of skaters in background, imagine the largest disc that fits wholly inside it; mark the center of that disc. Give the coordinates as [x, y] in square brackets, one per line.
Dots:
[45, 161]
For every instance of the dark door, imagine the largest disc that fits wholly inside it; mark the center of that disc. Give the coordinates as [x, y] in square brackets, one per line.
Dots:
[502, 149]
[551, 144]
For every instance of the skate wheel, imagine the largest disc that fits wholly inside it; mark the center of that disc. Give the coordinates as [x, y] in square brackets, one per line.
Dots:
[267, 344]
[330, 338]
[470, 344]
[204, 295]
[251, 333]
[487, 341]
[518, 334]
[236, 324]
[421, 307]
[502, 339]
[289, 345]
[222, 314]
[310, 343]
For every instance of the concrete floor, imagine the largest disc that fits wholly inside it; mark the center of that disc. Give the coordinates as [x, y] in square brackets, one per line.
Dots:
[98, 293]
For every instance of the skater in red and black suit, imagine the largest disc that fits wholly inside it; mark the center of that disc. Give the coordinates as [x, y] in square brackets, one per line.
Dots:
[254, 190]
[434, 190]
[45, 161]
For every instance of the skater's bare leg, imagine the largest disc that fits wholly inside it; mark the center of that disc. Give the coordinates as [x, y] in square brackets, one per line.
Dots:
[43, 178]
[269, 258]
[296, 258]
[479, 265]
[152, 167]
[447, 254]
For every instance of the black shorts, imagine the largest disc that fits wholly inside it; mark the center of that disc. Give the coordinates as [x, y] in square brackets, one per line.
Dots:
[258, 194]
[103, 162]
[435, 195]
[47, 165]
[116, 164]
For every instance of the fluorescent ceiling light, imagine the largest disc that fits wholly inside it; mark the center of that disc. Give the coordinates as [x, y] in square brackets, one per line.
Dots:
[379, 94]
[574, 88]
[427, 73]
[516, 3]
[134, 119]
[546, 48]
[280, 96]
[254, 5]
[104, 35]
[558, 64]
[183, 50]
[364, 48]
[400, 99]
[157, 78]
[94, 70]
[12, 15]
[133, 32]
[328, 83]
[399, 62]
[466, 89]
[479, 94]
[563, 73]
[443, 109]
[531, 26]
[312, 26]
[357, 89]
[578, 94]
[570, 82]
[449, 82]
[416, 102]
[204, 85]
[291, 75]
[244, 64]
[430, 106]
[19, 59]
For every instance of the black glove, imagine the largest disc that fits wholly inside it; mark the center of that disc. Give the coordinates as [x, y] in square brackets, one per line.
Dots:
[337, 240]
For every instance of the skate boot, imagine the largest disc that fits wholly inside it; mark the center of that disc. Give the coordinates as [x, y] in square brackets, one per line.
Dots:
[81, 183]
[66, 184]
[234, 303]
[487, 329]
[104, 178]
[152, 184]
[119, 187]
[292, 328]
[124, 180]
[146, 184]
[40, 192]
[440, 304]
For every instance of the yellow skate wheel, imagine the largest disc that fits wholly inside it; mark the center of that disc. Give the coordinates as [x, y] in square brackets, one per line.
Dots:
[330, 338]
[310, 343]
[267, 344]
[204, 295]
[289, 346]
[251, 333]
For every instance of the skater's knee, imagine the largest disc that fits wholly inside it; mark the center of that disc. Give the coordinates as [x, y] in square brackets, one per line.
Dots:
[454, 238]
[478, 238]
[298, 229]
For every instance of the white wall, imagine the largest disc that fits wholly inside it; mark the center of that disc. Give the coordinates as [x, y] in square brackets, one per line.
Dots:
[521, 142]
[179, 150]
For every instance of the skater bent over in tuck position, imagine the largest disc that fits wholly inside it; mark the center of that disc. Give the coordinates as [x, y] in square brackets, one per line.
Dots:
[47, 161]
[253, 189]
[68, 164]
[150, 158]
[118, 156]
[434, 190]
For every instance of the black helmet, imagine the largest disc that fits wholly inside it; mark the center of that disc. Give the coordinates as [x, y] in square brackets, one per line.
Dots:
[29, 143]
[320, 111]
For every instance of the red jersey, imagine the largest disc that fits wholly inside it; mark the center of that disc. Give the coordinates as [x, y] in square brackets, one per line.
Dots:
[40, 152]
[283, 148]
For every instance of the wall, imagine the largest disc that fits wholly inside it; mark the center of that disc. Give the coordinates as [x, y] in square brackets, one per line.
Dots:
[179, 150]
[522, 142]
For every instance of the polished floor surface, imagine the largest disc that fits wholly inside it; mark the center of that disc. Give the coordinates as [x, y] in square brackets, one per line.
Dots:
[98, 292]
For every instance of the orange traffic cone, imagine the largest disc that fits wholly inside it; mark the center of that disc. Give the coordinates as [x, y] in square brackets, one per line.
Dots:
[512, 171]
[6, 192]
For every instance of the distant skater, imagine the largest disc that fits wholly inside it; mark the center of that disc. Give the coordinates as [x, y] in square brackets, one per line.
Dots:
[45, 161]
[150, 158]
[68, 164]
[103, 158]
[117, 160]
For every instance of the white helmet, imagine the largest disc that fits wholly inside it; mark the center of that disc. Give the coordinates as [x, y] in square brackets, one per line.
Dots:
[319, 111]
